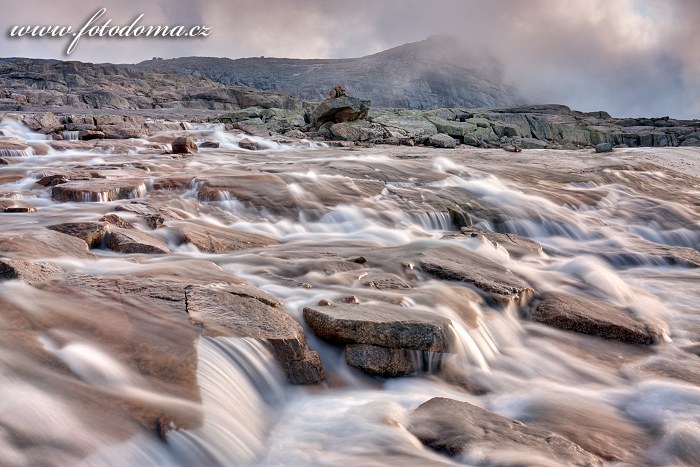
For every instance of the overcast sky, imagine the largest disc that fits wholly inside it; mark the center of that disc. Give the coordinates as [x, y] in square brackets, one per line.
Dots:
[630, 57]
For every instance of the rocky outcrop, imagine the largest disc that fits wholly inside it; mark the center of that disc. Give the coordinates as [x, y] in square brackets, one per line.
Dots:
[51, 83]
[244, 311]
[437, 72]
[460, 428]
[597, 318]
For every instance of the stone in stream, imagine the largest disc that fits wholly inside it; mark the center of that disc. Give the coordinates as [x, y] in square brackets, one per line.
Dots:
[19, 209]
[380, 324]
[213, 239]
[460, 428]
[117, 221]
[135, 241]
[603, 147]
[184, 145]
[248, 144]
[384, 281]
[486, 275]
[91, 233]
[244, 311]
[210, 144]
[382, 361]
[596, 318]
[98, 190]
[26, 271]
[155, 216]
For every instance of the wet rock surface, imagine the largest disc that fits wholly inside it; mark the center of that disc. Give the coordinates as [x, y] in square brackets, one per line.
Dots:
[11, 269]
[92, 233]
[135, 241]
[382, 361]
[594, 317]
[455, 427]
[243, 311]
[98, 190]
[486, 275]
[213, 239]
[380, 324]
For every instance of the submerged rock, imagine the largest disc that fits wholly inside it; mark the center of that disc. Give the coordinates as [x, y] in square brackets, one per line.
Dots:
[596, 318]
[91, 233]
[516, 245]
[135, 241]
[486, 275]
[155, 216]
[460, 428]
[183, 145]
[98, 190]
[26, 271]
[380, 324]
[212, 239]
[244, 311]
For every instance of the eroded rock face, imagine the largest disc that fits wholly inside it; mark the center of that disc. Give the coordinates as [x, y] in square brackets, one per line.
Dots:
[460, 428]
[244, 311]
[98, 190]
[26, 271]
[91, 233]
[596, 318]
[486, 275]
[382, 361]
[380, 324]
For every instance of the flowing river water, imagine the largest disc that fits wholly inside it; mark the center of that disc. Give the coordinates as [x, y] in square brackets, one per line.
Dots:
[83, 362]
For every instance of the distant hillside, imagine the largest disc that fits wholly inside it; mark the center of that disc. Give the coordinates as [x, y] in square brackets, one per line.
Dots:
[437, 72]
[31, 83]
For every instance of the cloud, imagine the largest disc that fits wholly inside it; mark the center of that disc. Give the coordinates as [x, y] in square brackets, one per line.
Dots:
[630, 57]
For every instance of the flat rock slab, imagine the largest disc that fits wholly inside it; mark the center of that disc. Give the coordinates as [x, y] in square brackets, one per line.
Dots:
[135, 241]
[155, 216]
[516, 245]
[384, 281]
[380, 324]
[486, 275]
[91, 233]
[244, 311]
[26, 271]
[460, 428]
[596, 318]
[98, 190]
[43, 243]
[214, 239]
[383, 361]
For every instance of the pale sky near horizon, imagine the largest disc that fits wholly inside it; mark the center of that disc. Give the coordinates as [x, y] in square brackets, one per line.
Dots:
[629, 57]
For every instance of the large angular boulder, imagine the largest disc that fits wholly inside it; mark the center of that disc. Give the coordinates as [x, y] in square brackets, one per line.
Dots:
[383, 361]
[460, 428]
[244, 311]
[597, 318]
[341, 109]
[183, 145]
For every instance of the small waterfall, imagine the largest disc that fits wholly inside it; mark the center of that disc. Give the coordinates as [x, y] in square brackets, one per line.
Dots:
[18, 151]
[70, 135]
